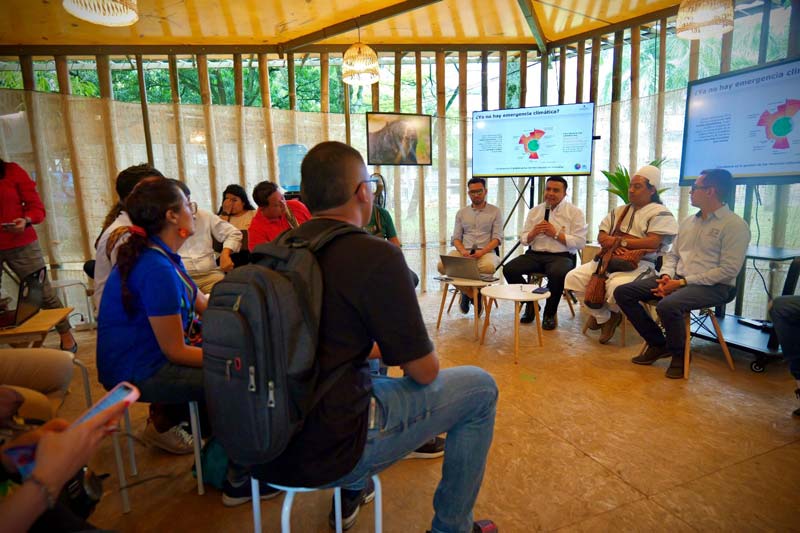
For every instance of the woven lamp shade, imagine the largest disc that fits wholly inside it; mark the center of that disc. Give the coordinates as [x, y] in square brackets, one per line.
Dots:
[702, 19]
[360, 65]
[103, 12]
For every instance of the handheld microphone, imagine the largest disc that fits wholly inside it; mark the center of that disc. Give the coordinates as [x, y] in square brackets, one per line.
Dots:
[547, 212]
[472, 250]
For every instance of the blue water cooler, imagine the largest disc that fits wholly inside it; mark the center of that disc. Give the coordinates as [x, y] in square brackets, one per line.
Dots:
[290, 156]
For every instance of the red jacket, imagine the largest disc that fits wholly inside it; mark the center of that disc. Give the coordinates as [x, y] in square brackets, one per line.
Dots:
[18, 199]
[263, 229]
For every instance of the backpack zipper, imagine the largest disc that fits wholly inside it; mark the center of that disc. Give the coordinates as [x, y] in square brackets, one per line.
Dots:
[251, 384]
[271, 396]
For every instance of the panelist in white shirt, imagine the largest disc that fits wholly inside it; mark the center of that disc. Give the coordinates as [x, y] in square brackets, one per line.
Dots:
[554, 231]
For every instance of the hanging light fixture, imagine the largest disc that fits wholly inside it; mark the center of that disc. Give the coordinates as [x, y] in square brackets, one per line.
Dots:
[103, 12]
[702, 19]
[360, 64]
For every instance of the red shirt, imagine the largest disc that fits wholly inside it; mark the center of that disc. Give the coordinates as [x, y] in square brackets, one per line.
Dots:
[18, 199]
[263, 229]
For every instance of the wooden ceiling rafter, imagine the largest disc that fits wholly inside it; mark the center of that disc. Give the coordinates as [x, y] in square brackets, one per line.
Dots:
[526, 6]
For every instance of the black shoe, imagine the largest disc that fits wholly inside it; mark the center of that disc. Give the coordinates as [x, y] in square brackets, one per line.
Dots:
[796, 412]
[651, 355]
[549, 322]
[233, 496]
[352, 500]
[464, 304]
[481, 526]
[430, 450]
[675, 370]
[527, 316]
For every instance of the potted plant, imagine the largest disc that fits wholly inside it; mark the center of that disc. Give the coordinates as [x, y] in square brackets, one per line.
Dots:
[620, 180]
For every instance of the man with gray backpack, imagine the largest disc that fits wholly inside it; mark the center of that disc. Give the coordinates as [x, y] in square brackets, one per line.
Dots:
[343, 425]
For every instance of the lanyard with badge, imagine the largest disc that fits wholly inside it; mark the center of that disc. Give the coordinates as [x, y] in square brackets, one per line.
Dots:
[192, 331]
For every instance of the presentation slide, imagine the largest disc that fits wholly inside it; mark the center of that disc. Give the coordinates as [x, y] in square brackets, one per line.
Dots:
[537, 141]
[746, 122]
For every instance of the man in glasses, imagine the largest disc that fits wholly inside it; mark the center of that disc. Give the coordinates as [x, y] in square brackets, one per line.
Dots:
[275, 214]
[477, 233]
[365, 423]
[699, 271]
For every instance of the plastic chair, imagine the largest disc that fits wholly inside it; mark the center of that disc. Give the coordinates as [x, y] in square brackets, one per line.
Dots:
[194, 420]
[286, 510]
[60, 286]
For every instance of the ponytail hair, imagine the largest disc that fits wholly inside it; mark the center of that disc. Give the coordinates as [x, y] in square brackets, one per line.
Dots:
[147, 207]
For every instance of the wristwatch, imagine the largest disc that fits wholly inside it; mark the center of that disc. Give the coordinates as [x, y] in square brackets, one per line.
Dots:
[623, 243]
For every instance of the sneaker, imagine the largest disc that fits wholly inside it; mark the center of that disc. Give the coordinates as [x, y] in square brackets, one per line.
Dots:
[675, 370]
[174, 440]
[608, 327]
[651, 355]
[549, 322]
[464, 304]
[430, 450]
[243, 493]
[352, 500]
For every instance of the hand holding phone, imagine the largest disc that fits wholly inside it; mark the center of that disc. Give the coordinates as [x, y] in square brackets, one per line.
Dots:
[123, 392]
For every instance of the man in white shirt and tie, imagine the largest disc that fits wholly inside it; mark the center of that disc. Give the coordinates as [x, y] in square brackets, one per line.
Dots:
[554, 231]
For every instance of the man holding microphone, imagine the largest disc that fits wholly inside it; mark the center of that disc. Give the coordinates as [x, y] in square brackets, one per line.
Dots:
[554, 231]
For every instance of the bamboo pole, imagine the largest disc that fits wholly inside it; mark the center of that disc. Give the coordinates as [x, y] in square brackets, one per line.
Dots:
[266, 105]
[562, 73]
[375, 89]
[594, 82]
[398, 219]
[292, 87]
[484, 80]
[544, 62]
[502, 88]
[325, 99]
[211, 134]
[347, 137]
[238, 89]
[694, 62]
[462, 128]
[579, 67]
[62, 72]
[523, 78]
[442, 142]
[148, 136]
[423, 238]
[616, 96]
[109, 121]
[633, 142]
[180, 140]
[39, 158]
[662, 79]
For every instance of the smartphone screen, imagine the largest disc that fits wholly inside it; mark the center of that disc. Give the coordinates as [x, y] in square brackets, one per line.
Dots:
[116, 395]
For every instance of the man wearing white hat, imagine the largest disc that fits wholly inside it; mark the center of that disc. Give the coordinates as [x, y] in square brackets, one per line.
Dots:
[643, 224]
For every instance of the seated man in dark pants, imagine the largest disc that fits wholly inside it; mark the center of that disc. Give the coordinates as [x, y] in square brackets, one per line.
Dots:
[786, 319]
[699, 271]
[554, 232]
[364, 423]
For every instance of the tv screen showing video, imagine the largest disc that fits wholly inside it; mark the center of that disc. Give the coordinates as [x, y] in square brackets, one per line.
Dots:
[533, 141]
[747, 122]
[398, 139]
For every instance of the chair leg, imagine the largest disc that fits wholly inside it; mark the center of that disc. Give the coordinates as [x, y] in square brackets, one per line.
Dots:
[721, 340]
[378, 505]
[687, 347]
[87, 390]
[569, 303]
[194, 419]
[256, 494]
[337, 504]
[643, 348]
[131, 451]
[453, 299]
[123, 482]
[286, 512]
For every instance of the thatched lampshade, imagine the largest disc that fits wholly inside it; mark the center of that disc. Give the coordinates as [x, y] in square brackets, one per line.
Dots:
[103, 12]
[702, 19]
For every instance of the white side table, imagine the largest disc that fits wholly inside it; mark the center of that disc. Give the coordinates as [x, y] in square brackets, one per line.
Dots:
[516, 293]
[479, 285]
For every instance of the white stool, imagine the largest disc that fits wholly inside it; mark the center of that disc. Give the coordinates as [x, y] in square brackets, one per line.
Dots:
[286, 510]
[194, 420]
[61, 285]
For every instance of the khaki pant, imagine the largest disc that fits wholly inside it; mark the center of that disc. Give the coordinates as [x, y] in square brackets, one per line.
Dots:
[206, 280]
[41, 375]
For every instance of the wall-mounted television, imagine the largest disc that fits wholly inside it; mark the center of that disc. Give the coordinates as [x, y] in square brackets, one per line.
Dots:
[747, 122]
[533, 141]
[398, 139]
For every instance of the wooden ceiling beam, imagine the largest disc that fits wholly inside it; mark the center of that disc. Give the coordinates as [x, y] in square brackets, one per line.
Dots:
[353, 24]
[526, 6]
[625, 24]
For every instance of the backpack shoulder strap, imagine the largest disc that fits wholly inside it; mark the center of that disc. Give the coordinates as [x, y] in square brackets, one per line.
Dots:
[299, 238]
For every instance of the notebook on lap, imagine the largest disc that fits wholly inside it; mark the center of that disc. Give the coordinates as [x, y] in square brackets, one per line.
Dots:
[464, 267]
[29, 300]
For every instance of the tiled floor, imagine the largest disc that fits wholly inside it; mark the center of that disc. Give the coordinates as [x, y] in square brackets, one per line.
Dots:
[584, 441]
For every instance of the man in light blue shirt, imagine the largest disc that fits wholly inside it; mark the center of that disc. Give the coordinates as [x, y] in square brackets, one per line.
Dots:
[699, 271]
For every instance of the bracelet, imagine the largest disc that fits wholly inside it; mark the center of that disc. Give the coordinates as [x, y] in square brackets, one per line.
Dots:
[51, 501]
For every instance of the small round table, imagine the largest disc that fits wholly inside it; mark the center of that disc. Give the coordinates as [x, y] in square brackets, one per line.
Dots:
[516, 293]
[478, 286]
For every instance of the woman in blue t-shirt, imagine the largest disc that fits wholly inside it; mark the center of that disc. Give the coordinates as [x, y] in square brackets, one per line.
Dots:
[149, 312]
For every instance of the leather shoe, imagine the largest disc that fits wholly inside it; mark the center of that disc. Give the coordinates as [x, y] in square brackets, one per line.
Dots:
[651, 355]
[464, 304]
[549, 322]
[675, 370]
[527, 316]
[608, 327]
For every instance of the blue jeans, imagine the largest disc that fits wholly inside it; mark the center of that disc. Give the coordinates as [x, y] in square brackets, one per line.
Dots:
[461, 402]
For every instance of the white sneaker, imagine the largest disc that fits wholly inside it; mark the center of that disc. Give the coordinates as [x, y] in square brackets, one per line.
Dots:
[175, 440]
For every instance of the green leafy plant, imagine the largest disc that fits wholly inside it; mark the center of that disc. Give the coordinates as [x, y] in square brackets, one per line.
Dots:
[620, 180]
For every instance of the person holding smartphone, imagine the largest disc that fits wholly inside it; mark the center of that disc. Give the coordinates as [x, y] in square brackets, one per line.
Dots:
[20, 209]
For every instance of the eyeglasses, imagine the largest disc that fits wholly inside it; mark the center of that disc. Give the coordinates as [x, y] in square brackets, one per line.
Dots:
[372, 185]
[193, 207]
[477, 191]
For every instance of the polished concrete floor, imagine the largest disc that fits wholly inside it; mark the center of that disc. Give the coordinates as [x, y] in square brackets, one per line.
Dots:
[584, 441]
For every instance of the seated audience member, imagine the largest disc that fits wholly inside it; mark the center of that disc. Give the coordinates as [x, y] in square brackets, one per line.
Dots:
[40, 375]
[20, 209]
[275, 214]
[237, 209]
[786, 319]
[646, 225]
[699, 271]
[148, 313]
[61, 450]
[107, 243]
[380, 222]
[477, 233]
[552, 247]
[197, 252]
[343, 440]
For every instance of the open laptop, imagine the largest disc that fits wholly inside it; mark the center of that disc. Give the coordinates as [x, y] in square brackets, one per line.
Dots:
[463, 267]
[29, 300]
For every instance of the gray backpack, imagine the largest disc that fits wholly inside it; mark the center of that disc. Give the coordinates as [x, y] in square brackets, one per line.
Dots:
[260, 333]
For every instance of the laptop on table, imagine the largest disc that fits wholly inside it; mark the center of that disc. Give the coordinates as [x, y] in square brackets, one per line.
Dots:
[29, 300]
[464, 267]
